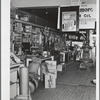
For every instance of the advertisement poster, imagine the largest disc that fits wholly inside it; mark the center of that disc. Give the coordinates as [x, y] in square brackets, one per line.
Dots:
[69, 21]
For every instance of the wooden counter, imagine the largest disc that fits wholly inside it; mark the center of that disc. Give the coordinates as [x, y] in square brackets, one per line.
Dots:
[41, 58]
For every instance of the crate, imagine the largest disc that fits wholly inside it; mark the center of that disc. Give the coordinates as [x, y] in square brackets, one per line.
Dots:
[54, 72]
[51, 64]
[61, 67]
[49, 80]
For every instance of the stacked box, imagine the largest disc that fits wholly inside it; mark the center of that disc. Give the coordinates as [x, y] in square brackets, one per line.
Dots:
[54, 72]
[28, 28]
[49, 80]
[61, 67]
[52, 67]
[18, 27]
[51, 64]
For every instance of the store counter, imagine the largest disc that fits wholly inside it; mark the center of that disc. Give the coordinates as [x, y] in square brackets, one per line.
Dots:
[41, 58]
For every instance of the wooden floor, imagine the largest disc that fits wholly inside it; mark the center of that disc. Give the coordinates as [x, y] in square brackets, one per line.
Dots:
[72, 84]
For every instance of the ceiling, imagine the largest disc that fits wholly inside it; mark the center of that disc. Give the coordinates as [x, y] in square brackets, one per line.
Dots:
[50, 14]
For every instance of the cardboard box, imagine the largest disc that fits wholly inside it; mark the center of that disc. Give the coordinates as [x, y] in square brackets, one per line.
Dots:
[54, 72]
[52, 67]
[51, 64]
[49, 80]
[61, 67]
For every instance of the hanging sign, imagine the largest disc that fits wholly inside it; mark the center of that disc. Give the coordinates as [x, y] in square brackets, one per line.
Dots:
[87, 16]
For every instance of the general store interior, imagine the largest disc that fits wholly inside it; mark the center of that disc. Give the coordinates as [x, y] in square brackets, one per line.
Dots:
[53, 50]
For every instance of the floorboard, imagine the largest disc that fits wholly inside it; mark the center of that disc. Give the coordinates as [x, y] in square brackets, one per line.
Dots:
[72, 84]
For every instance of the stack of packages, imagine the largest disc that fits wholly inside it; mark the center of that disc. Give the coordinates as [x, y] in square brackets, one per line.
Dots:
[18, 27]
[28, 28]
[51, 76]
[24, 18]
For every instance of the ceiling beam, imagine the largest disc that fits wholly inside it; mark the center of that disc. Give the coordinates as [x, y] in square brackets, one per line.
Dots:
[40, 3]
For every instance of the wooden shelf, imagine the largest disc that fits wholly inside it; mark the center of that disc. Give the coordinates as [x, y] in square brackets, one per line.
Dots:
[15, 65]
[28, 23]
[39, 26]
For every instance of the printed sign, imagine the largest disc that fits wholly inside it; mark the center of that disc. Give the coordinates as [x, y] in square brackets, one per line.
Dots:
[69, 21]
[87, 16]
